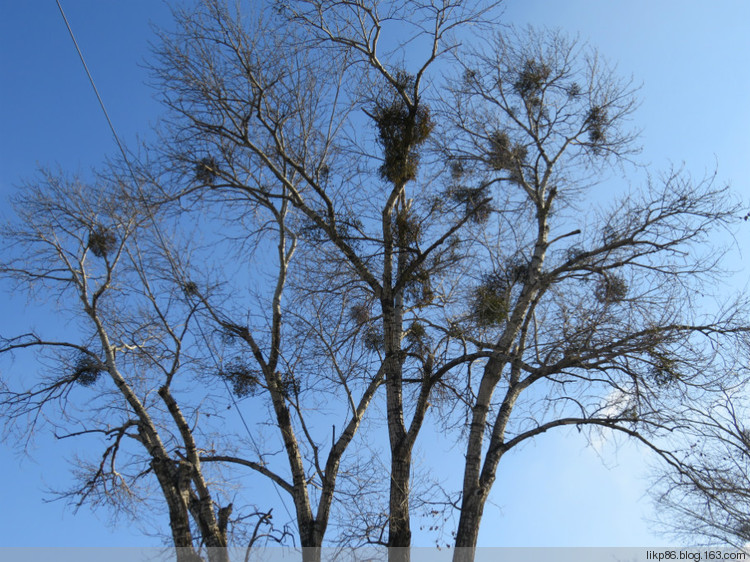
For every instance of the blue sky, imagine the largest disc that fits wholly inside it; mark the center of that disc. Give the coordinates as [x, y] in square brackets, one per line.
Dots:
[693, 59]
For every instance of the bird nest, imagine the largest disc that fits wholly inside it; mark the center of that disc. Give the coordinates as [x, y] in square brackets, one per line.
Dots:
[86, 370]
[102, 241]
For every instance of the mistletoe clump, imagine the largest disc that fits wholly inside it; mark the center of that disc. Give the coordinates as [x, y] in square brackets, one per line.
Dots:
[402, 128]
[611, 289]
[102, 241]
[596, 122]
[207, 170]
[502, 154]
[489, 304]
[244, 381]
[531, 81]
[87, 370]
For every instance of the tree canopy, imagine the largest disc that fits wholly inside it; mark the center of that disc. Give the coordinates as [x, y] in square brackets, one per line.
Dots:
[331, 216]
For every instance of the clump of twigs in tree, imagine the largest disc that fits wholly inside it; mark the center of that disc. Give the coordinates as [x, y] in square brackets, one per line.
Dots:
[596, 122]
[373, 339]
[502, 154]
[418, 289]
[416, 335]
[575, 253]
[87, 370]
[290, 385]
[489, 304]
[663, 371]
[408, 227]
[531, 81]
[190, 288]
[518, 270]
[360, 314]
[476, 201]
[207, 170]
[457, 170]
[402, 128]
[610, 289]
[102, 241]
[574, 90]
[244, 381]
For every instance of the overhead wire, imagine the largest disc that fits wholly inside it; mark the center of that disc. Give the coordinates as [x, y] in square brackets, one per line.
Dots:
[96, 90]
[173, 263]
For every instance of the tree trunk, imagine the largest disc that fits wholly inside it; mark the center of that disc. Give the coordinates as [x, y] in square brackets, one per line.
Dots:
[472, 508]
[217, 554]
[179, 519]
[311, 553]
[478, 478]
[185, 554]
[311, 539]
[399, 530]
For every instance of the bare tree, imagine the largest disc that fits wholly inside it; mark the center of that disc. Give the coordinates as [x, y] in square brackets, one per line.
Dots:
[276, 114]
[122, 368]
[452, 219]
[434, 236]
[297, 356]
[591, 321]
[295, 353]
[707, 496]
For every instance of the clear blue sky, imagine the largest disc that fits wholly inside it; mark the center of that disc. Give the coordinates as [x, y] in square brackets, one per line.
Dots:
[693, 59]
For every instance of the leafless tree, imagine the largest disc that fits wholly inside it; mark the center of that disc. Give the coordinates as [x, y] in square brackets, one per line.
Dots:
[591, 320]
[287, 104]
[707, 497]
[300, 357]
[437, 236]
[298, 354]
[122, 367]
[451, 214]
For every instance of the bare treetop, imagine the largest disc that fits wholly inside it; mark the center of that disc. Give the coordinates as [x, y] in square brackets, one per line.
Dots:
[387, 205]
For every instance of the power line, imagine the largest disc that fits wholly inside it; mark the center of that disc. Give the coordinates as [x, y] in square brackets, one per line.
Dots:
[96, 91]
